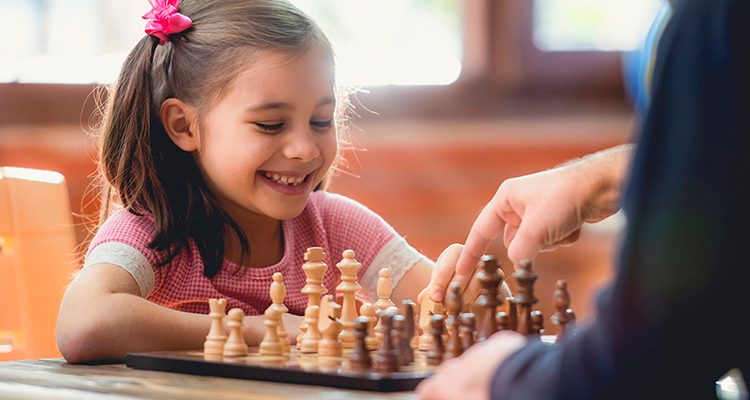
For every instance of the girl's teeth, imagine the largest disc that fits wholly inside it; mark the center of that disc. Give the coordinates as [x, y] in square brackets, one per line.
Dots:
[283, 180]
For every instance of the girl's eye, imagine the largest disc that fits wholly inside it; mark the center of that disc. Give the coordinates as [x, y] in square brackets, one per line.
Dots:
[269, 128]
[322, 124]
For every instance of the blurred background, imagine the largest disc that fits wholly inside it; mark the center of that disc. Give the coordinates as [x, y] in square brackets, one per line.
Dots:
[455, 97]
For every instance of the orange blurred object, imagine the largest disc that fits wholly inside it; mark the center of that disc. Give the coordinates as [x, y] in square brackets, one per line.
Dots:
[37, 260]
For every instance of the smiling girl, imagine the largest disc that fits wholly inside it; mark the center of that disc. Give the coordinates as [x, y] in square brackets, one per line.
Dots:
[221, 126]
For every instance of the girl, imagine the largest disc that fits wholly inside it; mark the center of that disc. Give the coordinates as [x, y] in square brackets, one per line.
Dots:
[221, 125]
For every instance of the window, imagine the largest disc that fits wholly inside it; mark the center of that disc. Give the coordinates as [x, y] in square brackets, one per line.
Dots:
[377, 42]
[593, 25]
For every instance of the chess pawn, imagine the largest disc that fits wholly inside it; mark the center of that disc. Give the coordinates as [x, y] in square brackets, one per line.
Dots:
[278, 294]
[410, 311]
[314, 268]
[453, 304]
[235, 345]
[371, 340]
[217, 336]
[537, 323]
[384, 290]
[436, 352]
[271, 344]
[525, 299]
[512, 314]
[349, 286]
[312, 334]
[561, 317]
[401, 338]
[329, 325]
[387, 359]
[466, 330]
[360, 358]
[501, 318]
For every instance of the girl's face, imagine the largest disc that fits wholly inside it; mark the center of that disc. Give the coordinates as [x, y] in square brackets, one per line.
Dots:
[270, 140]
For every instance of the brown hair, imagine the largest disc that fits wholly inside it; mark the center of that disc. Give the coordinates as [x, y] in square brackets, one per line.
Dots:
[142, 169]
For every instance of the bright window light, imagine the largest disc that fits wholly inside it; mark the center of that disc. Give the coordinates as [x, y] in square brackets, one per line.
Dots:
[592, 25]
[383, 42]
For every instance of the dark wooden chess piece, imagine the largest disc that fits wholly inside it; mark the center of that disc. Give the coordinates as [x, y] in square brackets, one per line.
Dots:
[453, 303]
[466, 330]
[563, 316]
[512, 314]
[537, 323]
[360, 357]
[436, 351]
[490, 277]
[410, 310]
[401, 340]
[502, 320]
[525, 299]
[385, 362]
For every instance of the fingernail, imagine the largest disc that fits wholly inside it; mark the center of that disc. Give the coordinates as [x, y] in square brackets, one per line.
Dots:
[437, 296]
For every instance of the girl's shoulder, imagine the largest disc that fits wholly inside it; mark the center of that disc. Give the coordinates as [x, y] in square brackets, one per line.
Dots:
[334, 206]
[126, 227]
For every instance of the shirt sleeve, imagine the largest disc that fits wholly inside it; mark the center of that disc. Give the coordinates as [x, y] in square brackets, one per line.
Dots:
[669, 325]
[123, 241]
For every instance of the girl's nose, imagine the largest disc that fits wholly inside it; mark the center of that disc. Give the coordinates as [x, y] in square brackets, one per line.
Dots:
[301, 145]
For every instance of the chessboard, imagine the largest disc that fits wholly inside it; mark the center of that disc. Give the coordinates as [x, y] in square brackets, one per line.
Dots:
[377, 348]
[307, 369]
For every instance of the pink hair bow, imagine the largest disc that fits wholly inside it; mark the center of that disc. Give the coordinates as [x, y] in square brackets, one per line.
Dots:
[165, 20]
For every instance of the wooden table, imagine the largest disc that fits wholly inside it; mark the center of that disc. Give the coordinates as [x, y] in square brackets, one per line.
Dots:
[56, 379]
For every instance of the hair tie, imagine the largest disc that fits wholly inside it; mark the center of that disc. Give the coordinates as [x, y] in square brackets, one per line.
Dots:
[165, 20]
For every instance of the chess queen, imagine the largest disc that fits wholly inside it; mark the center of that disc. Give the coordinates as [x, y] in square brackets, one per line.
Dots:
[216, 145]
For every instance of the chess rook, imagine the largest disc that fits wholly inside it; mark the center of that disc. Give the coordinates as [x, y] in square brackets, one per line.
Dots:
[217, 336]
[349, 286]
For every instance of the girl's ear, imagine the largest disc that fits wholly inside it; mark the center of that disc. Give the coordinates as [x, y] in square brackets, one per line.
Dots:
[180, 122]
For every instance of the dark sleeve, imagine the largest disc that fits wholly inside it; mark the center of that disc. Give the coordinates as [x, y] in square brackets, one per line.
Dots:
[675, 318]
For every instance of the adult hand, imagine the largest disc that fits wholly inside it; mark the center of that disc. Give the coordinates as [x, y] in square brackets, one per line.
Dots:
[469, 376]
[542, 211]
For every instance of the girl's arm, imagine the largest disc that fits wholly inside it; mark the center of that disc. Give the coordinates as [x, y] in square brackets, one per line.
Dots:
[103, 317]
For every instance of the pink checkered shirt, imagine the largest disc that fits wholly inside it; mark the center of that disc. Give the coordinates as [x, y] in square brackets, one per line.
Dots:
[330, 221]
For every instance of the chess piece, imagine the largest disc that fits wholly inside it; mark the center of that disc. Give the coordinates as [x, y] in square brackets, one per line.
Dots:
[466, 330]
[537, 323]
[436, 352]
[278, 294]
[314, 268]
[371, 340]
[525, 299]
[384, 290]
[349, 286]
[329, 325]
[453, 304]
[271, 344]
[561, 317]
[386, 360]
[235, 345]
[360, 358]
[410, 309]
[312, 334]
[490, 277]
[512, 314]
[217, 336]
[401, 339]
[429, 308]
[503, 323]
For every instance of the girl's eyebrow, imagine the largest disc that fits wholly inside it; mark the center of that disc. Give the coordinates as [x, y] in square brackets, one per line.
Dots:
[285, 106]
